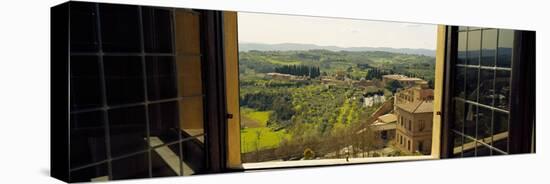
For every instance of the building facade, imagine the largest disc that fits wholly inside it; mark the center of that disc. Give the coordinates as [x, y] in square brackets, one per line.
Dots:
[414, 126]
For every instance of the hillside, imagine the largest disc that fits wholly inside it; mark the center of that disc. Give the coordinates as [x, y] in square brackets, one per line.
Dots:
[305, 47]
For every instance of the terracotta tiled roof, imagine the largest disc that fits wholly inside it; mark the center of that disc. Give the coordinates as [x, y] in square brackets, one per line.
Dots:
[417, 107]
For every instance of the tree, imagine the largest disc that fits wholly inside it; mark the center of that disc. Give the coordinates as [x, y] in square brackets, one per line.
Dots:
[394, 85]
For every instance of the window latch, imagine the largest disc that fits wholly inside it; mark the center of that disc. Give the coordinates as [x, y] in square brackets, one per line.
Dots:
[229, 116]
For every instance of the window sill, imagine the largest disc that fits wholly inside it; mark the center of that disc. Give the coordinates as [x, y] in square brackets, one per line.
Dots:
[330, 162]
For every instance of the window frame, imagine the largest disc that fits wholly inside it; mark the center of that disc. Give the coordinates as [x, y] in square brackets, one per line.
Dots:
[234, 162]
[521, 110]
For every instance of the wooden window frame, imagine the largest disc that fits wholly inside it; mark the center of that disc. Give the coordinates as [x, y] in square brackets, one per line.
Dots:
[234, 162]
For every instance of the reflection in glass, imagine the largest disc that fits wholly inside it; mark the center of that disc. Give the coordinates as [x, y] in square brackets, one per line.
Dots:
[459, 115]
[484, 124]
[500, 130]
[459, 81]
[470, 120]
[90, 174]
[461, 53]
[502, 90]
[486, 85]
[83, 24]
[85, 82]
[474, 44]
[163, 122]
[157, 27]
[482, 150]
[161, 78]
[505, 44]
[124, 79]
[488, 47]
[120, 30]
[87, 143]
[472, 83]
[166, 161]
[127, 130]
[135, 166]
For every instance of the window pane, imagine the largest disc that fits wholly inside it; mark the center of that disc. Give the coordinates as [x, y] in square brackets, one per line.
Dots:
[486, 87]
[474, 44]
[85, 83]
[505, 44]
[470, 120]
[459, 84]
[191, 113]
[166, 161]
[136, 166]
[127, 130]
[157, 31]
[120, 28]
[457, 144]
[161, 78]
[469, 148]
[83, 27]
[91, 174]
[189, 75]
[489, 47]
[87, 138]
[461, 54]
[459, 115]
[502, 90]
[163, 119]
[500, 131]
[194, 156]
[472, 83]
[484, 130]
[124, 79]
[482, 150]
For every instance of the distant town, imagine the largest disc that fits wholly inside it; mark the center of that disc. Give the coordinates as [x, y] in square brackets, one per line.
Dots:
[320, 104]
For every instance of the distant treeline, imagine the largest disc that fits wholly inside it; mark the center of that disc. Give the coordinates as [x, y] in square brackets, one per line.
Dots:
[299, 70]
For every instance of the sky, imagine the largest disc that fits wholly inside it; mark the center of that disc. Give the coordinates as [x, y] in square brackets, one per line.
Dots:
[274, 29]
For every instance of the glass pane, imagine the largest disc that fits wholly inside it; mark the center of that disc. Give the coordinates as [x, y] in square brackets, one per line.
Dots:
[484, 130]
[474, 44]
[461, 54]
[500, 130]
[502, 90]
[482, 150]
[161, 78]
[457, 144]
[505, 45]
[120, 31]
[136, 166]
[469, 148]
[91, 174]
[189, 75]
[488, 47]
[124, 79]
[127, 130]
[85, 83]
[470, 120]
[459, 81]
[163, 119]
[486, 85]
[83, 28]
[166, 161]
[157, 31]
[193, 154]
[187, 32]
[472, 83]
[87, 138]
[191, 114]
[459, 116]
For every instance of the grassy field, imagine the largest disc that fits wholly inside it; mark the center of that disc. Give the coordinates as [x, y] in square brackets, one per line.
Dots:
[268, 138]
[255, 123]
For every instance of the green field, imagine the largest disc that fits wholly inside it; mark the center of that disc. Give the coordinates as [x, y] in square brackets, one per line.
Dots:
[268, 138]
